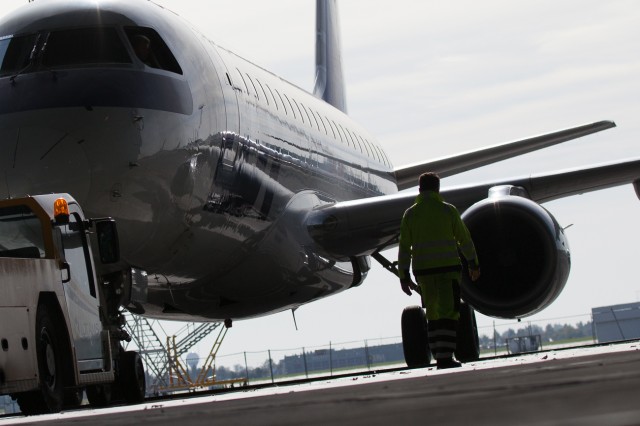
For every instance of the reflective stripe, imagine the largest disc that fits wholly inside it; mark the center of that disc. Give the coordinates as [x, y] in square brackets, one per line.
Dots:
[452, 269]
[425, 257]
[447, 345]
[467, 246]
[469, 251]
[443, 332]
[450, 244]
[404, 261]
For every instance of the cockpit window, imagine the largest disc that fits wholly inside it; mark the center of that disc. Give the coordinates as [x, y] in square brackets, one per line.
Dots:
[151, 49]
[61, 48]
[84, 46]
[15, 53]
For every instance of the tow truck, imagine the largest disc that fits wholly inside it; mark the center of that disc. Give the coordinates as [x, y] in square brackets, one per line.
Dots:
[61, 308]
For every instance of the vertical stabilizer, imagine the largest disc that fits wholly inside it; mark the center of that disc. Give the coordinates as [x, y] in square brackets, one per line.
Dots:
[329, 84]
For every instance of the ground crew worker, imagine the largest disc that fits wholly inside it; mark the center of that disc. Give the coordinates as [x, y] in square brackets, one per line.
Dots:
[432, 235]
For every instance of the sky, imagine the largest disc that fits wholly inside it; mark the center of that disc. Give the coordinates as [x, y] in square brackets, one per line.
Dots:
[432, 79]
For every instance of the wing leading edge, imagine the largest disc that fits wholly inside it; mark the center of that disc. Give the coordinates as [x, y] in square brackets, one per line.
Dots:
[407, 176]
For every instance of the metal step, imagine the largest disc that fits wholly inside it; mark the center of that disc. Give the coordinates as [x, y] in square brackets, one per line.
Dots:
[152, 349]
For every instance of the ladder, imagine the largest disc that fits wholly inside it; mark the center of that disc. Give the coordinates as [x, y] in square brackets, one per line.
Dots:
[208, 372]
[178, 375]
[155, 354]
[179, 378]
[149, 346]
[190, 338]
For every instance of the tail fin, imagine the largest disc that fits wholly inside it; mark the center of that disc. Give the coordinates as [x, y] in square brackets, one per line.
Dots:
[329, 84]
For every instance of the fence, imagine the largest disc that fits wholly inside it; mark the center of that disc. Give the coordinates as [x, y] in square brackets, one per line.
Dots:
[271, 366]
[276, 365]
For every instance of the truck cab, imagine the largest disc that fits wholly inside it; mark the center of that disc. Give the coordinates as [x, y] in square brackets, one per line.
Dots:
[61, 320]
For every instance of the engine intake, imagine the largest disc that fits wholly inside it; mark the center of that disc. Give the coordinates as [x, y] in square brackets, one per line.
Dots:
[524, 256]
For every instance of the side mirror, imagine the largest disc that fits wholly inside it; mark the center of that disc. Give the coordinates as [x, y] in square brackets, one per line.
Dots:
[108, 243]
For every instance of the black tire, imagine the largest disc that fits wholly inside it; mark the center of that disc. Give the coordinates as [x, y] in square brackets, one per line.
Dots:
[73, 398]
[51, 355]
[99, 395]
[31, 403]
[468, 346]
[132, 378]
[415, 338]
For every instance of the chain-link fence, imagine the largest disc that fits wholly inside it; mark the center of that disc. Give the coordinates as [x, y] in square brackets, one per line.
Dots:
[278, 365]
[275, 365]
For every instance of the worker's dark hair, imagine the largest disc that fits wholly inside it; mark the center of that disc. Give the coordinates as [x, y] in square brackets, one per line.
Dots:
[429, 182]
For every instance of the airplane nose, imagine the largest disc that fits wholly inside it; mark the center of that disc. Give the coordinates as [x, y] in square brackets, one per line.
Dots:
[41, 159]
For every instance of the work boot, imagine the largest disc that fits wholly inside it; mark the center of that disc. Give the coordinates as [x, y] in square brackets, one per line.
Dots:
[447, 363]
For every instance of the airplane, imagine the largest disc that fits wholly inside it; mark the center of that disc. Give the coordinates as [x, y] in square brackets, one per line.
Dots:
[238, 194]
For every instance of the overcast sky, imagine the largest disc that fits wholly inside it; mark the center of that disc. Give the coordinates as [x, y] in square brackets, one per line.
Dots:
[432, 78]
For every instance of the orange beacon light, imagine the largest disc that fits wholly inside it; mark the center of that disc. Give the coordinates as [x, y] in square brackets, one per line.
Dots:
[61, 210]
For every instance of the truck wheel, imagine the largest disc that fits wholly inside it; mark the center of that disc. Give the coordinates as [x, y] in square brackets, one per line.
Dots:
[73, 398]
[51, 355]
[415, 338]
[31, 403]
[99, 395]
[132, 378]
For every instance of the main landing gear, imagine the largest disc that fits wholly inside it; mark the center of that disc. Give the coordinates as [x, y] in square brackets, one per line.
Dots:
[415, 337]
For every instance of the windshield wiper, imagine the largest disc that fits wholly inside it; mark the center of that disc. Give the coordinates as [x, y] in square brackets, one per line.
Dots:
[32, 56]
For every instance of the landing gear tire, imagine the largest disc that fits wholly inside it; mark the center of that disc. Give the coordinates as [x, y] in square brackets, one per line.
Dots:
[51, 355]
[132, 378]
[468, 346]
[415, 338]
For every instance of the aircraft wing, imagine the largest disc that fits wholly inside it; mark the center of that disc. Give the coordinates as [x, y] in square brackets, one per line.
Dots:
[407, 176]
[362, 227]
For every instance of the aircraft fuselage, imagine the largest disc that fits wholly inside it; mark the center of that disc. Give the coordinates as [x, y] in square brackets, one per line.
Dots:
[208, 163]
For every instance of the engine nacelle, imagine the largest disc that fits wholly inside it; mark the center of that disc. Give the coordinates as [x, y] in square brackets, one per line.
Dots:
[523, 252]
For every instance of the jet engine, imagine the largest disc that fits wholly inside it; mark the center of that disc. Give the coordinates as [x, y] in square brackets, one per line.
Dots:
[523, 252]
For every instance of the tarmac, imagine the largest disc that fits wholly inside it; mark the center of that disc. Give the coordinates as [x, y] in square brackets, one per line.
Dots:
[587, 386]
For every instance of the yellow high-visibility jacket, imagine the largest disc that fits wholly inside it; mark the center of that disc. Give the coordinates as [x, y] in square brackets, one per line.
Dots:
[431, 233]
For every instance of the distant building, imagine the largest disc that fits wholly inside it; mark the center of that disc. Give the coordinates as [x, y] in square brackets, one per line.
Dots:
[617, 322]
